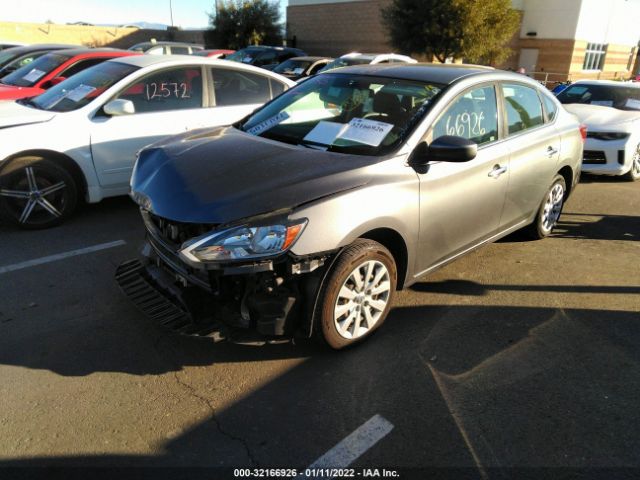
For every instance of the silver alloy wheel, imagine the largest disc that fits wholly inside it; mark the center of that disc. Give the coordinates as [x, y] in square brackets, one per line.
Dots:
[635, 164]
[34, 196]
[552, 208]
[362, 299]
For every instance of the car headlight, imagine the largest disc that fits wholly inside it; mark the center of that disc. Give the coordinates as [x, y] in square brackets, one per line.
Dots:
[608, 135]
[242, 243]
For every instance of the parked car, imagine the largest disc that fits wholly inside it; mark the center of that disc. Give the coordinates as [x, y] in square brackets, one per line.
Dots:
[166, 48]
[79, 139]
[265, 56]
[297, 68]
[611, 112]
[307, 215]
[53, 68]
[355, 58]
[215, 53]
[4, 44]
[13, 58]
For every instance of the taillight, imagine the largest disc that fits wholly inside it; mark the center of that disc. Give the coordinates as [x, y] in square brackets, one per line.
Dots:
[583, 132]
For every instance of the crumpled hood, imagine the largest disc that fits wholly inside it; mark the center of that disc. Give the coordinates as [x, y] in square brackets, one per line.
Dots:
[223, 175]
[599, 117]
[13, 114]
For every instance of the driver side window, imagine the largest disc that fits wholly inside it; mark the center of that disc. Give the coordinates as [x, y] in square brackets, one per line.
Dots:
[473, 115]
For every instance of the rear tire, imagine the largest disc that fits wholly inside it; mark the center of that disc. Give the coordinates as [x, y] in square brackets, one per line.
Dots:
[357, 294]
[634, 173]
[550, 210]
[36, 193]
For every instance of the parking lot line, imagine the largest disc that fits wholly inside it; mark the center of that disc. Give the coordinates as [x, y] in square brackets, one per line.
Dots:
[355, 444]
[60, 256]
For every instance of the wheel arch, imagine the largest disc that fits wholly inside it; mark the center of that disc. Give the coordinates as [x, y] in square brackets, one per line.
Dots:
[567, 173]
[61, 159]
[394, 242]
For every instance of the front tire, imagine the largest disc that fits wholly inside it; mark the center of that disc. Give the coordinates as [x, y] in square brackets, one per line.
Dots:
[357, 294]
[549, 211]
[634, 173]
[36, 193]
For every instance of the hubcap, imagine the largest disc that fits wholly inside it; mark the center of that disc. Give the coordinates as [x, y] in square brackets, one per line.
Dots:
[36, 196]
[362, 299]
[552, 207]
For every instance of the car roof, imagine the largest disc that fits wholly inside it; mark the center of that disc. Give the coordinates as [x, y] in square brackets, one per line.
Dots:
[162, 42]
[310, 59]
[427, 72]
[74, 52]
[142, 61]
[37, 47]
[611, 83]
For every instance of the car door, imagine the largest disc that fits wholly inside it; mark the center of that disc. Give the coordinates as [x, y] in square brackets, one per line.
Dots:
[166, 102]
[461, 203]
[534, 152]
[237, 93]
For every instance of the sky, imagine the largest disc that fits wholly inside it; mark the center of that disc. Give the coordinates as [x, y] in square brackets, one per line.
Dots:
[186, 13]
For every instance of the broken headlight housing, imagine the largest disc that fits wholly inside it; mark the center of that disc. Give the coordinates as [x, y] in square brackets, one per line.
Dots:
[242, 243]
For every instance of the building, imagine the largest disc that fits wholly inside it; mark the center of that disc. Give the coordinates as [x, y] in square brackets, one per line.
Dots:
[557, 40]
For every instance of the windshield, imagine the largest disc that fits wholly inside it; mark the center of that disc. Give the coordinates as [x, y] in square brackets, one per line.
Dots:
[621, 97]
[82, 88]
[356, 114]
[7, 55]
[345, 62]
[31, 73]
[292, 67]
[246, 55]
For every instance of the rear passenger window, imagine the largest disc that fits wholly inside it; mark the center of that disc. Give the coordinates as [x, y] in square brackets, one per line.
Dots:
[171, 89]
[179, 50]
[239, 88]
[523, 107]
[473, 115]
[81, 65]
[550, 107]
[276, 87]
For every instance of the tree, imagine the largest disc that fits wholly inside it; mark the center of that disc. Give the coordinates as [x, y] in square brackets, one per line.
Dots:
[475, 30]
[238, 23]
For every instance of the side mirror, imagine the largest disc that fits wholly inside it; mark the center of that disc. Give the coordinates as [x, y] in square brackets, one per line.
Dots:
[119, 107]
[53, 82]
[447, 149]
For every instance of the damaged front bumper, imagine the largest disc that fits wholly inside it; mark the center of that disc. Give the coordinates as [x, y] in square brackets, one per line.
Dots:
[273, 298]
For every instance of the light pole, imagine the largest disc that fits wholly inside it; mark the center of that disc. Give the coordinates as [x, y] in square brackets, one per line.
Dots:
[171, 12]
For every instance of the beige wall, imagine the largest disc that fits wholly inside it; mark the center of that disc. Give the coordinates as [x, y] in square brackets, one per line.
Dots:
[89, 35]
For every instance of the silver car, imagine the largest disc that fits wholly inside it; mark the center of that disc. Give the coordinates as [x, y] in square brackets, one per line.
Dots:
[308, 215]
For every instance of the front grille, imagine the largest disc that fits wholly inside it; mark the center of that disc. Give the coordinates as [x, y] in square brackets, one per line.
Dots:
[594, 157]
[172, 232]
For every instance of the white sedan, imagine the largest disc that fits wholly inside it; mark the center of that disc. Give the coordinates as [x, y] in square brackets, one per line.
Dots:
[356, 58]
[80, 138]
[611, 112]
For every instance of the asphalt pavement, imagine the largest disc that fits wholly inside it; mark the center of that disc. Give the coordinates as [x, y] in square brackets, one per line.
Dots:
[520, 357]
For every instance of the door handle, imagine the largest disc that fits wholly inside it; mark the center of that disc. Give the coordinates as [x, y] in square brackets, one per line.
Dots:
[497, 171]
[551, 151]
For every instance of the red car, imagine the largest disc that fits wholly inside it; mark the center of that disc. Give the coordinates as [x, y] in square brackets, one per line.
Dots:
[53, 68]
[213, 53]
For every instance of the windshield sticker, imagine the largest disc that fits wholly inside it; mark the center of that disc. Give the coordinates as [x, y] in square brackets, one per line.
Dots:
[602, 103]
[298, 71]
[34, 75]
[325, 132]
[246, 59]
[267, 124]
[80, 92]
[365, 131]
[633, 103]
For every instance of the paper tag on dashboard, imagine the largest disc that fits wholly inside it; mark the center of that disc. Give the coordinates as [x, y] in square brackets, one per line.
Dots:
[246, 60]
[324, 132]
[633, 103]
[34, 75]
[267, 124]
[80, 92]
[369, 132]
[602, 103]
[298, 71]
